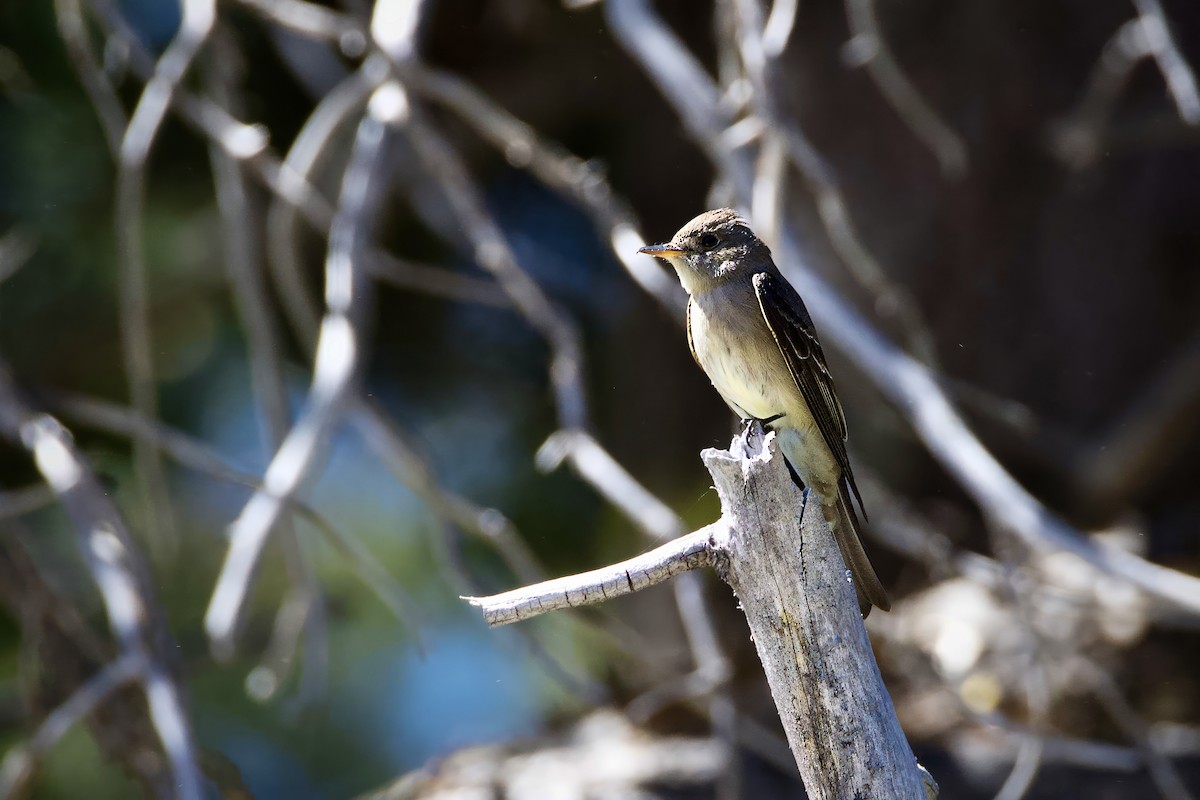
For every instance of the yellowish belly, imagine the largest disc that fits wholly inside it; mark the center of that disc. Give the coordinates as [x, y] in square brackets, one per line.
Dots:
[743, 364]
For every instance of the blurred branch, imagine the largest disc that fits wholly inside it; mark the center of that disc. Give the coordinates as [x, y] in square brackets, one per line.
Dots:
[778, 28]
[1032, 669]
[20, 761]
[16, 248]
[868, 48]
[1077, 140]
[265, 353]
[559, 169]
[492, 252]
[136, 142]
[308, 149]
[18, 502]
[197, 455]
[1134, 450]
[100, 91]
[596, 466]
[438, 282]
[336, 368]
[313, 21]
[1181, 82]
[118, 571]
[1166, 778]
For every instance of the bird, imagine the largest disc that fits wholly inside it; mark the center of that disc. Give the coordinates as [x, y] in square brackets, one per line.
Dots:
[750, 332]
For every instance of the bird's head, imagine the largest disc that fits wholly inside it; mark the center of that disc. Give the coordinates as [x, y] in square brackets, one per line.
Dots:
[710, 248]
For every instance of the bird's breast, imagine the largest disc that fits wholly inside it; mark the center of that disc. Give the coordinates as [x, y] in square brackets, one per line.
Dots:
[735, 348]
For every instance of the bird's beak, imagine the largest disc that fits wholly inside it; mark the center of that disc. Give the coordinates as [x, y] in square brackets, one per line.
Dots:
[660, 250]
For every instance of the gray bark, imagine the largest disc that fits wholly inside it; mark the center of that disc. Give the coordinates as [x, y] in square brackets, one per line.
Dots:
[784, 566]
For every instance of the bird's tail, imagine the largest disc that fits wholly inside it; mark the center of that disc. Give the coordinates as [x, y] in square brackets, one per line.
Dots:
[846, 528]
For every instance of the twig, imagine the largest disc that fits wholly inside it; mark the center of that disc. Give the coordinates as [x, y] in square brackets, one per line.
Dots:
[403, 459]
[437, 282]
[117, 569]
[595, 465]
[309, 148]
[492, 252]
[1141, 442]
[19, 762]
[1162, 771]
[73, 30]
[779, 26]
[688, 552]
[16, 248]
[264, 348]
[1033, 673]
[1077, 140]
[558, 169]
[18, 502]
[313, 21]
[872, 52]
[1181, 82]
[197, 455]
[336, 370]
[136, 142]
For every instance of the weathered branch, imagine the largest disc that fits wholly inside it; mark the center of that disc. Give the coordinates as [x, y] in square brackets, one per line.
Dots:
[783, 564]
[775, 550]
[587, 588]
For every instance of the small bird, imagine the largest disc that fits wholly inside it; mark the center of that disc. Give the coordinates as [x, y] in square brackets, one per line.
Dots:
[751, 334]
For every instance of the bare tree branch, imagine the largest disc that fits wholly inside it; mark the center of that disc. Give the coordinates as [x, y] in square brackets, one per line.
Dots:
[138, 138]
[118, 570]
[1181, 82]
[20, 761]
[558, 169]
[196, 455]
[336, 369]
[869, 49]
[16, 248]
[688, 552]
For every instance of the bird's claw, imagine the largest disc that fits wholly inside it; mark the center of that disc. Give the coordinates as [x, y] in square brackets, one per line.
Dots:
[749, 423]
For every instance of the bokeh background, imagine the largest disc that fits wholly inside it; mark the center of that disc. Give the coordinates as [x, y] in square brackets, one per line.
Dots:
[1040, 255]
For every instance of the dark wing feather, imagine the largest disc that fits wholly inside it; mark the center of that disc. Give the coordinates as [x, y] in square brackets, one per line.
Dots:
[796, 337]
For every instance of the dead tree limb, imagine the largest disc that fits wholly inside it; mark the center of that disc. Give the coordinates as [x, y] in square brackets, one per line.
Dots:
[774, 549]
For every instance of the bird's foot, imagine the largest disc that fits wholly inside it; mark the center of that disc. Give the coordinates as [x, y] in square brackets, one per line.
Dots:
[748, 423]
[754, 428]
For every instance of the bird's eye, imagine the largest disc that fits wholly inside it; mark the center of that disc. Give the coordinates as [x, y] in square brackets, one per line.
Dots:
[709, 240]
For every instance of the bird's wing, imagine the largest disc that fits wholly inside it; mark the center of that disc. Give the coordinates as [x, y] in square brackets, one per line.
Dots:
[792, 327]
